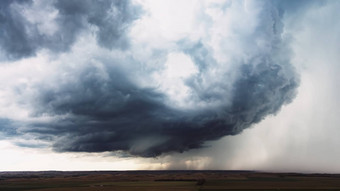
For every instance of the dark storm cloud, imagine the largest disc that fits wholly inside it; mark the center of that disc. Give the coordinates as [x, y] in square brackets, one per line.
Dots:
[98, 109]
[294, 6]
[112, 18]
[13, 39]
[20, 37]
[110, 114]
[7, 128]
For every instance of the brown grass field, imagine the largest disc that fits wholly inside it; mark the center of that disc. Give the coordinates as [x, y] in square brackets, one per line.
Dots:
[166, 180]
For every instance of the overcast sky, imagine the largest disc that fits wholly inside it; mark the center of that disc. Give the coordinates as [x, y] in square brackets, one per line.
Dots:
[171, 84]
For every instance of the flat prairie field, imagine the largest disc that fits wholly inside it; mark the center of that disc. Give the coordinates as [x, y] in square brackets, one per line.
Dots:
[165, 180]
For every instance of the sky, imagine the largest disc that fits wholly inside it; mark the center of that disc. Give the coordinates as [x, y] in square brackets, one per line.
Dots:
[158, 85]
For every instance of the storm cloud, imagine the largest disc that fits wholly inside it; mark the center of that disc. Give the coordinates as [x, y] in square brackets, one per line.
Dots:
[28, 26]
[100, 104]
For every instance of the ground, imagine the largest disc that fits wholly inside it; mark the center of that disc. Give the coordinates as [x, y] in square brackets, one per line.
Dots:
[166, 180]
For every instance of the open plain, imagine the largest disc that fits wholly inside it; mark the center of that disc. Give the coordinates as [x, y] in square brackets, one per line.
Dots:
[165, 180]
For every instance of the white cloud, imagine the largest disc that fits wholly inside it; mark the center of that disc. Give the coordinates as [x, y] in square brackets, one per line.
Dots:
[177, 69]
